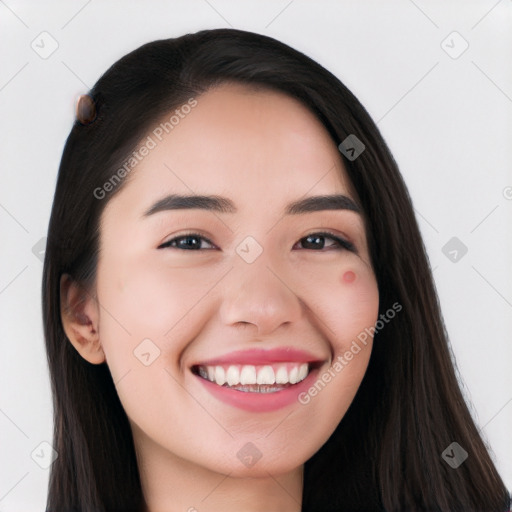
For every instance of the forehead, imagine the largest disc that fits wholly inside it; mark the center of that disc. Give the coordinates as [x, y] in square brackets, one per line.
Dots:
[250, 145]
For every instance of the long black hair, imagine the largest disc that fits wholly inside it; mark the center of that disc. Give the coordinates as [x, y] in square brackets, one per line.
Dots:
[386, 452]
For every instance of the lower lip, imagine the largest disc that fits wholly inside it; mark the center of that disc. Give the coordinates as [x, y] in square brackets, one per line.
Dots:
[259, 402]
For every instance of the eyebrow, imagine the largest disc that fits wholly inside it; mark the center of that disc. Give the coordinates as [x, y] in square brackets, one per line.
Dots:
[224, 205]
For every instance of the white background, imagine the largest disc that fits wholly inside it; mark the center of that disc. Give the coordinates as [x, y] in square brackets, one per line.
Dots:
[448, 122]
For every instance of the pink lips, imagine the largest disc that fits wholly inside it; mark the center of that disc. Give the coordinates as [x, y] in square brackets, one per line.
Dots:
[261, 402]
[262, 356]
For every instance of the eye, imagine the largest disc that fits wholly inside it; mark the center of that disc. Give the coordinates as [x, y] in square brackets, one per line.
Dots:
[317, 241]
[314, 241]
[187, 242]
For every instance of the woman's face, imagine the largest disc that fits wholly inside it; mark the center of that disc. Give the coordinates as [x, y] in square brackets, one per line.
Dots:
[255, 294]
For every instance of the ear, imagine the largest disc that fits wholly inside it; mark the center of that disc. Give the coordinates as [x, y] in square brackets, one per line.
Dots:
[79, 312]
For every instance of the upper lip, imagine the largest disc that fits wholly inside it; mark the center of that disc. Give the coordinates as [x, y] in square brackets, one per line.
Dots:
[262, 356]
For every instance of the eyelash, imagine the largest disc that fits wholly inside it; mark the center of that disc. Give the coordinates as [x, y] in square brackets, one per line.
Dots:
[342, 243]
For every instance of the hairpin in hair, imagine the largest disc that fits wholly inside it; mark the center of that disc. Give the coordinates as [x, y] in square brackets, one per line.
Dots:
[85, 109]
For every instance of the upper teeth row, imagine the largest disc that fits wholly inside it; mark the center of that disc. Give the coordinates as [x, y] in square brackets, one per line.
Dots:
[248, 374]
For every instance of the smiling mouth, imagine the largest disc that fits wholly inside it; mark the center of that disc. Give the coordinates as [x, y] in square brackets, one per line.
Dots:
[267, 378]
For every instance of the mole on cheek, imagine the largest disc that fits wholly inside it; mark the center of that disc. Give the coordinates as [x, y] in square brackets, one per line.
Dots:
[349, 277]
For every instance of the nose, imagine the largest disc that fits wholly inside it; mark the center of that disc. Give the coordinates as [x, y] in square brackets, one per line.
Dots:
[256, 294]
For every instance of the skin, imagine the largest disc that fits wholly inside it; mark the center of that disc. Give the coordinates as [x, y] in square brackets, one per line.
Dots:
[262, 150]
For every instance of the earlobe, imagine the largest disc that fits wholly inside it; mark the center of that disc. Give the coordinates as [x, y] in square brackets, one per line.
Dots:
[79, 315]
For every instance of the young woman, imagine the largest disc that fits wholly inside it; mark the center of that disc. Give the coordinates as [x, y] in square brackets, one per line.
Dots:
[239, 311]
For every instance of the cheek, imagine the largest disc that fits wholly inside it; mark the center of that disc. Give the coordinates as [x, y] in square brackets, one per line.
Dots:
[350, 310]
[147, 299]
[353, 309]
[141, 302]
[348, 277]
[148, 316]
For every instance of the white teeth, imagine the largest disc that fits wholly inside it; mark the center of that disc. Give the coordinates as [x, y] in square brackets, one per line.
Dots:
[246, 375]
[303, 371]
[233, 375]
[220, 376]
[266, 375]
[282, 375]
